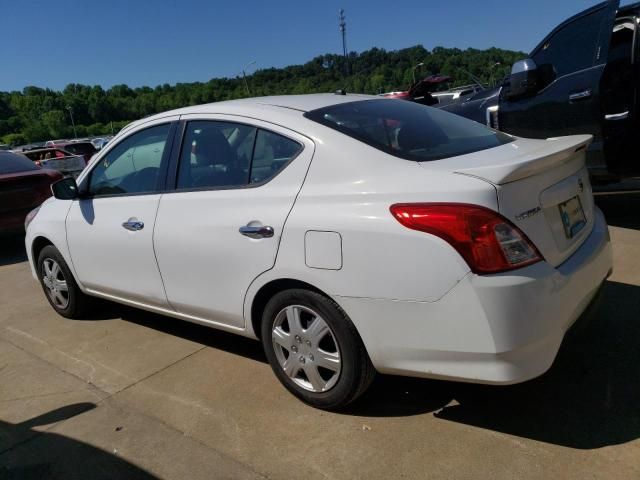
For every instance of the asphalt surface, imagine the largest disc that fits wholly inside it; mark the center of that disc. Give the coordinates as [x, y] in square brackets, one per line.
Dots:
[128, 394]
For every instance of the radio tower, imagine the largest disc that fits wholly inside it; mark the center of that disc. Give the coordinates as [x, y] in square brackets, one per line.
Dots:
[343, 31]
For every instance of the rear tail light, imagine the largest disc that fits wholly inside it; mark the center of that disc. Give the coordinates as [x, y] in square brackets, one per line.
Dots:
[488, 242]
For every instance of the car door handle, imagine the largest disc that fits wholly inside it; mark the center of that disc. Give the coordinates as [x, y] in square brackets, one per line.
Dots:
[133, 225]
[583, 95]
[617, 116]
[261, 231]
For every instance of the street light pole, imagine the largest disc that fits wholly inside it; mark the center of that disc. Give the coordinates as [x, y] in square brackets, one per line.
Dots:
[244, 76]
[73, 124]
[491, 69]
[421, 64]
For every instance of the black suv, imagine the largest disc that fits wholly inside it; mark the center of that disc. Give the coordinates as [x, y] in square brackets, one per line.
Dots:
[582, 78]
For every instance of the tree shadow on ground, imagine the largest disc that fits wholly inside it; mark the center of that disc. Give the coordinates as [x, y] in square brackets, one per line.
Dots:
[53, 456]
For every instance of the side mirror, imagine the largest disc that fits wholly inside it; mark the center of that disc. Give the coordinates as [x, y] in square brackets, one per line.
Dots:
[524, 79]
[65, 189]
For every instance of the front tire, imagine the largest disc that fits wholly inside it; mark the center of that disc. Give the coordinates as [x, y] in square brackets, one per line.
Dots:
[59, 286]
[314, 349]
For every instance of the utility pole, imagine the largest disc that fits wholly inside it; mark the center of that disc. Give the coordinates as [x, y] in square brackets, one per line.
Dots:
[244, 75]
[491, 69]
[72, 122]
[343, 30]
[413, 73]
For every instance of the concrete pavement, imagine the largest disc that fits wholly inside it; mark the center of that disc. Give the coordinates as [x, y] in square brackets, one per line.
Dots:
[128, 394]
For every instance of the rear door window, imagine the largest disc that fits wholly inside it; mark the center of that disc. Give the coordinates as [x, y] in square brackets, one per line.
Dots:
[217, 155]
[271, 153]
[409, 130]
[80, 148]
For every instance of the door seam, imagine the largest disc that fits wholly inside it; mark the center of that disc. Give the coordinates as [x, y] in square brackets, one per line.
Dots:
[155, 255]
[284, 225]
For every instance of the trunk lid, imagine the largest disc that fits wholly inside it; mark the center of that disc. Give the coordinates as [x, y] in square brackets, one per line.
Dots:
[69, 164]
[542, 187]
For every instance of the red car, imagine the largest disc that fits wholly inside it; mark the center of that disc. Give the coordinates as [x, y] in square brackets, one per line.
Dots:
[86, 149]
[23, 187]
[57, 159]
[420, 91]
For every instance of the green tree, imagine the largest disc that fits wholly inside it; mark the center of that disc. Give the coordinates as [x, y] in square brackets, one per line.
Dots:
[40, 114]
[14, 139]
[56, 123]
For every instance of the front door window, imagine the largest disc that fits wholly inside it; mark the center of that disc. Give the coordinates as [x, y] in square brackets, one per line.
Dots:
[132, 166]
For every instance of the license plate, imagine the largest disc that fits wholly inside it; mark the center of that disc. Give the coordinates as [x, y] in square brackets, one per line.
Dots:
[572, 215]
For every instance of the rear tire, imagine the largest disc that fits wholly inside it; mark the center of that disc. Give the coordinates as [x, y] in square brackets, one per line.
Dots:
[314, 349]
[59, 286]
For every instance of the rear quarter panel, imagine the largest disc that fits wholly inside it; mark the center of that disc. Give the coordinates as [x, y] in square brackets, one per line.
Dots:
[349, 189]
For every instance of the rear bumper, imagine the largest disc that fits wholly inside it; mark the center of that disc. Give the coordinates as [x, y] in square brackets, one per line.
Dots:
[500, 329]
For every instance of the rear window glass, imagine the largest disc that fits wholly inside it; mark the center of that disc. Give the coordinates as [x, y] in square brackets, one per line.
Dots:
[80, 148]
[409, 130]
[13, 163]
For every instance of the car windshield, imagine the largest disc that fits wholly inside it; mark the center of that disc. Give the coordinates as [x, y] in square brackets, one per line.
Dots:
[409, 130]
[14, 163]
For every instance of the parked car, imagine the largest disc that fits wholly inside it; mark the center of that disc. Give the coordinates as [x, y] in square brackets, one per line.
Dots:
[86, 149]
[100, 142]
[457, 94]
[29, 146]
[481, 106]
[576, 81]
[23, 187]
[421, 91]
[55, 143]
[350, 233]
[57, 159]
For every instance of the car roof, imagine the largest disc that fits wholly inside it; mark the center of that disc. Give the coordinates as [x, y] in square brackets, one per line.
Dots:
[68, 144]
[288, 105]
[306, 103]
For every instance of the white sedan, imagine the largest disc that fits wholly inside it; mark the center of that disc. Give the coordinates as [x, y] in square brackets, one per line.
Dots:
[350, 234]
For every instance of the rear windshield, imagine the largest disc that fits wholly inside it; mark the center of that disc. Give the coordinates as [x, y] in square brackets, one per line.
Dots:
[409, 130]
[80, 148]
[14, 162]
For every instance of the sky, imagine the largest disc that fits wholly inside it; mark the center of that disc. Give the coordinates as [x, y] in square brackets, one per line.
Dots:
[51, 43]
